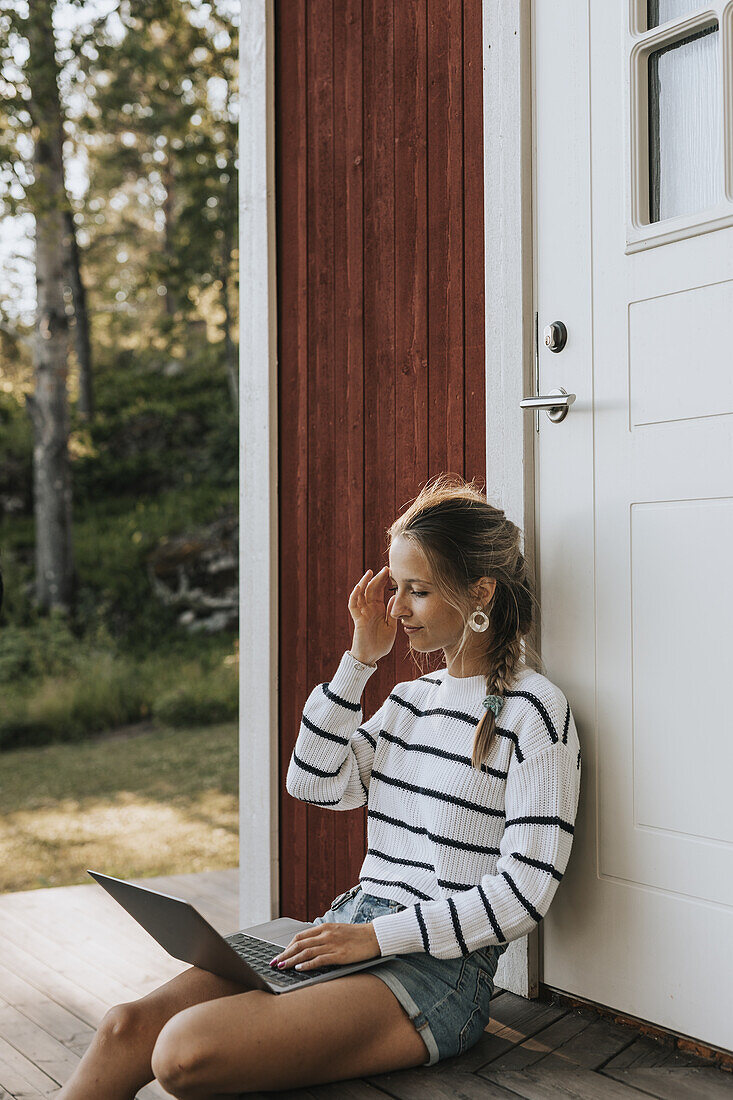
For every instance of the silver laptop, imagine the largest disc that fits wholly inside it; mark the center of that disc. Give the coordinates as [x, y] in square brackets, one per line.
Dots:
[243, 957]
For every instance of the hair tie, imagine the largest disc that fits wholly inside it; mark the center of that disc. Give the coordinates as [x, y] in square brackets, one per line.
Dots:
[493, 703]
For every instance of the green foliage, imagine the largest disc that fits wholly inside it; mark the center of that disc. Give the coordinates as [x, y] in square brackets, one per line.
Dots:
[159, 459]
[200, 701]
[122, 655]
[17, 455]
[153, 433]
[157, 233]
[103, 691]
[49, 648]
[160, 128]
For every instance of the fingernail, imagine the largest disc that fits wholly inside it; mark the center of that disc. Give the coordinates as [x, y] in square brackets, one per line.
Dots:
[281, 965]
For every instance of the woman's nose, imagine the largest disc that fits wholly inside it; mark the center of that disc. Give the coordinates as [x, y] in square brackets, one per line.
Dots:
[398, 609]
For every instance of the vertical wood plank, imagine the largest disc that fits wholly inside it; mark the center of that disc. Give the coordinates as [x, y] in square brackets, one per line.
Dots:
[474, 343]
[380, 455]
[411, 267]
[437, 31]
[324, 599]
[473, 222]
[445, 234]
[453, 290]
[348, 519]
[292, 252]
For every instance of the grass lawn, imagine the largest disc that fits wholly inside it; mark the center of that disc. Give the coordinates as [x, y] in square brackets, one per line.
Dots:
[137, 802]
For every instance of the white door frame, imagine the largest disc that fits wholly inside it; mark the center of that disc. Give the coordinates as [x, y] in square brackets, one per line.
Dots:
[259, 879]
[509, 278]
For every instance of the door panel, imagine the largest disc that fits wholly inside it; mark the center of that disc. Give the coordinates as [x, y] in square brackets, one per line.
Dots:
[644, 921]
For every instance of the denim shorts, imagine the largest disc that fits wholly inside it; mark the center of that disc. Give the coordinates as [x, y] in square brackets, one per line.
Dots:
[446, 999]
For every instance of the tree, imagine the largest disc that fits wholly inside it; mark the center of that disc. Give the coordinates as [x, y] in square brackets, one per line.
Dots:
[85, 403]
[161, 120]
[48, 404]
[16, 173]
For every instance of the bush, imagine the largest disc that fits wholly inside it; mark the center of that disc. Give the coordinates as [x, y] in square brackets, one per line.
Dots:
[158, 459]
[106, 692]
[47, 647]
[200, 700]
[17, 455]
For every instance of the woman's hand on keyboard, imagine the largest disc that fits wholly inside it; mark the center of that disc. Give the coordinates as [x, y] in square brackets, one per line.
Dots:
[329, 945]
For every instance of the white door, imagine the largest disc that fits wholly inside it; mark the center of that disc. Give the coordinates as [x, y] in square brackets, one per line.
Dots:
[633, 213]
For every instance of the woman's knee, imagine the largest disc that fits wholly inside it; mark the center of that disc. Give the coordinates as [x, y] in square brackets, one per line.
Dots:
[179, 1059]
[124, 1024]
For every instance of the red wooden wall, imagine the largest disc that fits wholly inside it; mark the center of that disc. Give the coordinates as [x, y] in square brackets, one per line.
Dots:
[380, 337]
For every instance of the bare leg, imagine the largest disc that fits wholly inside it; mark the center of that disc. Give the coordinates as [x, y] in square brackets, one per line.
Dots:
[117, 1062]
[351, 1027]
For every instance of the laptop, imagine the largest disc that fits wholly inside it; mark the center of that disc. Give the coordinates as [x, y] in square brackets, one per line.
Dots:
[242, 957]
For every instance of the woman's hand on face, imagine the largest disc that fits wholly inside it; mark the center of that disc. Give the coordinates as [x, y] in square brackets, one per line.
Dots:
[329, 945]
[374, 628]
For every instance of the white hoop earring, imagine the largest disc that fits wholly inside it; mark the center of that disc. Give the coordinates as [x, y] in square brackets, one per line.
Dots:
[479, 620]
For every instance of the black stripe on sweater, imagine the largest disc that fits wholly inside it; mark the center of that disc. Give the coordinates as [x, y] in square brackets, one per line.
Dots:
[457, 926]
[527, 904]
[402, 862]
[333, 736]
[566, 726]
[334, 801]
[367, 736]
[446, 884]
[446, 841]
[537, 863]
[402, 886]
[429, 680]
[316, 771]
[452, 799]
[539, 820]
[578, 765]
[323, 733]
[316, 802]
[512, 737]
[442, 753]
[490, 913]
[462, 717]
[459, 714]
[337, 699]
[541, 709]
[423, 929]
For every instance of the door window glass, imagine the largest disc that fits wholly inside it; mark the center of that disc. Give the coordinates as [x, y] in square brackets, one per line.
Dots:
[660, 11]
[685, 148]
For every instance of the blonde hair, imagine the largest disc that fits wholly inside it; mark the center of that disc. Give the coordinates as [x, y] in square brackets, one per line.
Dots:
[463, 538]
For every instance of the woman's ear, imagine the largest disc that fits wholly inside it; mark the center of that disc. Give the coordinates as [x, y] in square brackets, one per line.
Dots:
[484, 589]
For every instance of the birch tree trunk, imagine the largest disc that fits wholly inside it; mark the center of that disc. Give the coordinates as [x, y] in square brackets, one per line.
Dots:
[48, 405]
[231, 352]
[171, 297]
[85, 404]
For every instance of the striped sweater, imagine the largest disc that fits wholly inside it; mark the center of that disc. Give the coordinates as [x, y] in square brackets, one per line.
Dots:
[475, 856]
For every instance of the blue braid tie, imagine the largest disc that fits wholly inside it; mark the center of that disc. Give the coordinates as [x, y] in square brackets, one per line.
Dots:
[493, 703]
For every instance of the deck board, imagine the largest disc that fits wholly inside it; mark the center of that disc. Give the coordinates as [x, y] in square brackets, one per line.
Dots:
[69, 953]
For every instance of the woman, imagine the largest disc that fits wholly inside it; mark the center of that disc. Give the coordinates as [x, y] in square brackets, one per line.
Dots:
[470, 825]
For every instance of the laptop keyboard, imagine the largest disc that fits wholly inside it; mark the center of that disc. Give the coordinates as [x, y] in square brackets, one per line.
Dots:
[258, 954]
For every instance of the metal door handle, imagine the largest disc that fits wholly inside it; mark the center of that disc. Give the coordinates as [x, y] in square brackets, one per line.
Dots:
[557, 403]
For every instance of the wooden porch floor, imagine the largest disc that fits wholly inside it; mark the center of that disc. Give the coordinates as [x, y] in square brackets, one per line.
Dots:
[58, 976]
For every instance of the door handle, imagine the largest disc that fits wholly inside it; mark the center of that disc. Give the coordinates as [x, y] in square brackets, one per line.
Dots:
[557, 403]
